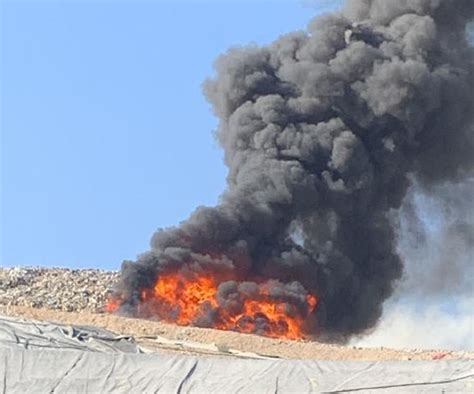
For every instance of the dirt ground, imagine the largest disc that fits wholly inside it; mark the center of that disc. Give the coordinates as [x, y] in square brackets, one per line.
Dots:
[159, 336]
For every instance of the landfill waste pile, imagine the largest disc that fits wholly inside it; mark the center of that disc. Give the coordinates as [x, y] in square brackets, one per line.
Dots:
[56, 288]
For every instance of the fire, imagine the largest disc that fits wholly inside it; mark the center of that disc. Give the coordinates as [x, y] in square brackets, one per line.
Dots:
[113, 305]
[184, 300]
[179, 300]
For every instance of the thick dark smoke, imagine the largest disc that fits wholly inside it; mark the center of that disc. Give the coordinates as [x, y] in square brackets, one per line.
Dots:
[321, 131]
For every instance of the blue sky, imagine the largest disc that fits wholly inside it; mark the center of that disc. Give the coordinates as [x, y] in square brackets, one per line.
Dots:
[105, 133]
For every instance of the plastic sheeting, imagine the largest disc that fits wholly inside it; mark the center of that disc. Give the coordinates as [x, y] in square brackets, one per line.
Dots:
[49, 369]
[32, 334]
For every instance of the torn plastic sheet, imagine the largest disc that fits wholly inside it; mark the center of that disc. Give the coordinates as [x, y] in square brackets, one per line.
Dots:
[32, 334]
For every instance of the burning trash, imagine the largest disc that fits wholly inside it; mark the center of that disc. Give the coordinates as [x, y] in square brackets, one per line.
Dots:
[239, 306]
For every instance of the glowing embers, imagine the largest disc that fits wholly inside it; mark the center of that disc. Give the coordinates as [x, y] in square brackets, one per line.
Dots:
[267, 308]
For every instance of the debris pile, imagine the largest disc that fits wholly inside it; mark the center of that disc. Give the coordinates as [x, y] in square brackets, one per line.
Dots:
[56, 288]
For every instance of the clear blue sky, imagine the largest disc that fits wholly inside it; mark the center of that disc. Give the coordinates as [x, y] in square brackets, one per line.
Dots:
[105, 133]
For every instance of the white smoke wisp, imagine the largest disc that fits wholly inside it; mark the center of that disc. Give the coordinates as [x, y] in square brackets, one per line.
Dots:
[429, 327]
[433, 306]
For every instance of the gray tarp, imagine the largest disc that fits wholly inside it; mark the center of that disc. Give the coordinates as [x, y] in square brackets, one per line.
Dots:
[32, 334]
[38, 369]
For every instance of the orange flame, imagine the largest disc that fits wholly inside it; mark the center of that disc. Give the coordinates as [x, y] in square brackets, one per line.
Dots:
[113, 305]
[182, 300]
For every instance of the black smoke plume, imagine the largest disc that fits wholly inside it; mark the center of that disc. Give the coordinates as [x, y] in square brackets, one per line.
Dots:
[322, 132]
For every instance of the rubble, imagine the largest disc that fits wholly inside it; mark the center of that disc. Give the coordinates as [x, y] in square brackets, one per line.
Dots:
[56, 288]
